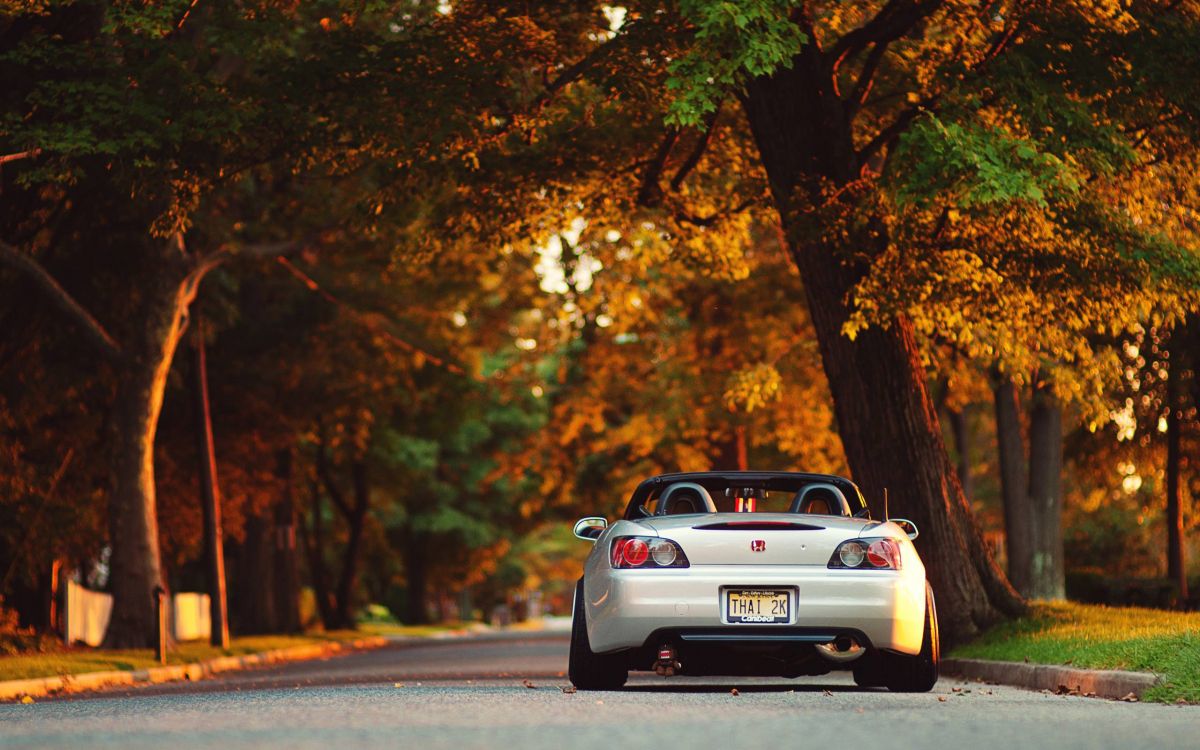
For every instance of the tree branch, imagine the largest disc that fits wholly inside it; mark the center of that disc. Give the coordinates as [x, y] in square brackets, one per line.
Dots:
[331, 487]
[650, 192]
[893, 21]
[711, 219]
[893, 131]
[93, 331]
[22, 155]
[694, 157]
[866, 79]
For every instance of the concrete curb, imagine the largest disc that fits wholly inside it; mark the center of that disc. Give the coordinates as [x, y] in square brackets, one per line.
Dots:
[1101, 683]
[41, 686]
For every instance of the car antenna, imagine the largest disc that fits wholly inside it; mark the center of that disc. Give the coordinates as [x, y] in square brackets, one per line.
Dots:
[885, 506]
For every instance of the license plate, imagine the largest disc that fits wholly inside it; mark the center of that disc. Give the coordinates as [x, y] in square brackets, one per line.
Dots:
[758, 606]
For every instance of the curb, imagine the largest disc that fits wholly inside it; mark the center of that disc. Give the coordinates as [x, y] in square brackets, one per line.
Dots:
[1101, 683]
[42, 686]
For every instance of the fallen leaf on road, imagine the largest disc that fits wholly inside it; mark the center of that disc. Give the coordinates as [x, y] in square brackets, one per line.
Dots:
[569, 689]
[599, 703]
[956, 690]
[26, 699]
[827, 692]
[1129, 698]
[399, 684]
[529, 684]
[734, 692]
[941, 699]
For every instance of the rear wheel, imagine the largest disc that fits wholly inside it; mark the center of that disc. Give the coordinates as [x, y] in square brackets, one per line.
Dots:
[586, 670]
[919, 673]
[869, 671]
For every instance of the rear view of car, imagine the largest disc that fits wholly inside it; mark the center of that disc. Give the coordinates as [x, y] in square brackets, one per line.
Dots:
[752, 573]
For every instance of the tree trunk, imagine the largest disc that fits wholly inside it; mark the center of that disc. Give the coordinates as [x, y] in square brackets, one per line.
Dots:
[136, 569]
[416, 576]
[960, 429]
[355, 521]
[286, 583]
[1176, 567]
[1014, 483]
[210, 495]
[886, 419]
[1048, 579]
[314, 544]
[253, 583]
[960, 432]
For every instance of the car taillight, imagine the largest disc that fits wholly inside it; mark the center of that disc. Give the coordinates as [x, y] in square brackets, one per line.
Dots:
[867, 554]
[646, 552]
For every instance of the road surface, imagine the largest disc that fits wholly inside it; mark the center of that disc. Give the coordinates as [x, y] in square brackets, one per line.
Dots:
[474, 694]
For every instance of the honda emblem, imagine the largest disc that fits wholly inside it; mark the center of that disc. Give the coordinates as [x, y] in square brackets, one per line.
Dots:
[758, 545]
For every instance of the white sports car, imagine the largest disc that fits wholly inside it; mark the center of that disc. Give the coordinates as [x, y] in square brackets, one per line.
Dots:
[752, 573]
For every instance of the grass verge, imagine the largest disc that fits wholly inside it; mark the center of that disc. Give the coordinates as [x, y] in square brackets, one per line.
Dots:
[55, 660]
[49, 658]
[1098, 637]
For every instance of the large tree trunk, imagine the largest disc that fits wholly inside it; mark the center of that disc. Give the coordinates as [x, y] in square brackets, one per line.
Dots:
[1018, 515]
[136, 569]
[1048, 579]
[210, 494]
[1176, 567]
[886, 419]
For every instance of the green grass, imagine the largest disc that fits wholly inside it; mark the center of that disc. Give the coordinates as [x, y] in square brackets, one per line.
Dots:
[1098, 637]
[58, 660]
[420, 631]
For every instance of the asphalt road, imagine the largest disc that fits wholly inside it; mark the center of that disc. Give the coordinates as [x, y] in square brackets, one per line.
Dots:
[467, 694]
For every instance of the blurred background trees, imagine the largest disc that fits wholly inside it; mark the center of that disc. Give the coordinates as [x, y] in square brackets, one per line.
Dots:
[469, 270]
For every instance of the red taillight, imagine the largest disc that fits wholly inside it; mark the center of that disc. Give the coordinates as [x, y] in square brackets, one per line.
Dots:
[879, 554]
[646, 552]
[635, 552]
[884, 553]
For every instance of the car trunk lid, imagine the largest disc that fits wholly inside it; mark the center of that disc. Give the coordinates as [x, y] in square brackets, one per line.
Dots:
[757, 538]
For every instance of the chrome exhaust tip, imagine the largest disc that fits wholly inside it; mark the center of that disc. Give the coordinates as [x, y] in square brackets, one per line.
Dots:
[841, 650]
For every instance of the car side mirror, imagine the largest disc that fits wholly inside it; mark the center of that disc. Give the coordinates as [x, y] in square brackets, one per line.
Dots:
[590, 528]
[907, 526]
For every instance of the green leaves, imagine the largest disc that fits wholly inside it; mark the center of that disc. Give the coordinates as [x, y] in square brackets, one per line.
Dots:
[733, 41]
[973, 164]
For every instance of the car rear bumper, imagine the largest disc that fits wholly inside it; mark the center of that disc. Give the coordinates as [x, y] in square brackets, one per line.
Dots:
[624, 607]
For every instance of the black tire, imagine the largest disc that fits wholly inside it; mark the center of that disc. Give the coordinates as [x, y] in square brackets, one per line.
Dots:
[919, 673]
[586, 670]
[870, 673]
